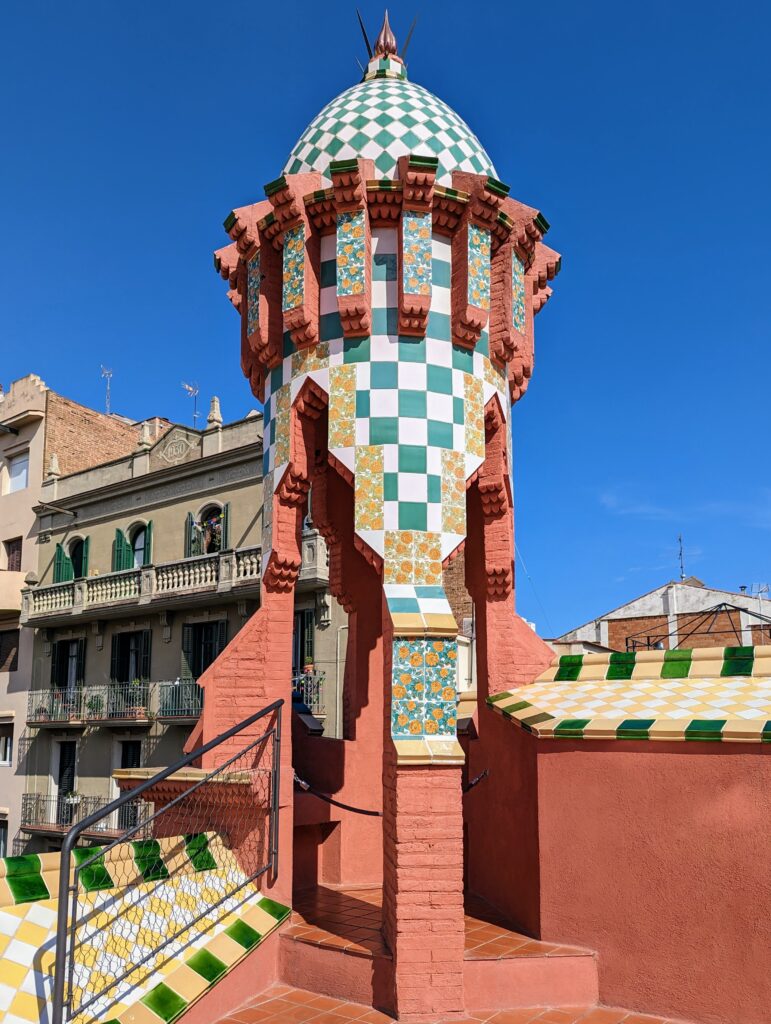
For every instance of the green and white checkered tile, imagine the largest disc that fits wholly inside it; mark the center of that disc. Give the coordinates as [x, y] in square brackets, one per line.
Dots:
[409, 392]
[706, 694]
[381, 119]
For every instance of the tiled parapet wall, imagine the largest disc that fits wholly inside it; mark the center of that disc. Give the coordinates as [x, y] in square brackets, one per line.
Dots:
[706, 694]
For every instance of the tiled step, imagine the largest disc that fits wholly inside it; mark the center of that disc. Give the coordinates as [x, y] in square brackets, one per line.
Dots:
[282, 1004]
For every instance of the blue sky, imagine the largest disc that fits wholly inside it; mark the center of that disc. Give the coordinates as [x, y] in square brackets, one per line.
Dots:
[129, 132]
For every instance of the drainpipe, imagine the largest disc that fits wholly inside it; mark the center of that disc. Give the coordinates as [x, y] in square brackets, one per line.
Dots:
[338, 687]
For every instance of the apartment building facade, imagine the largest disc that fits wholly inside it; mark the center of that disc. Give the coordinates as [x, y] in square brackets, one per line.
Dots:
[147, 566]
[35, 423]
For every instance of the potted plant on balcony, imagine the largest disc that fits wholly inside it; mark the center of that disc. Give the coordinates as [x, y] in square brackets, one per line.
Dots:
[135, 700]
[95, 706]
[42, 713]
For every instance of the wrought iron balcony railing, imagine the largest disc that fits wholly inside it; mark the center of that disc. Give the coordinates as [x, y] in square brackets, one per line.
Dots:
[308, 689]
[42, 813]
[115, 703]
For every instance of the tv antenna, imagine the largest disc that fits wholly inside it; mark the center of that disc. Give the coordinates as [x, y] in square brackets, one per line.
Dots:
[192, 390]
[107, 375]
[682, 561]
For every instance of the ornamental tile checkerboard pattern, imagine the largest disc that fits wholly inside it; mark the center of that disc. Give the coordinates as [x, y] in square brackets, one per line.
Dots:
[705, 694]
[383, 118]
[117, 934]
[351, 253]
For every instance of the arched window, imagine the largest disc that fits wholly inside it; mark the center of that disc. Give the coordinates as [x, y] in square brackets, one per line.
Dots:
[79, 558]
[209, 532]
[210, 525]
[138, 543]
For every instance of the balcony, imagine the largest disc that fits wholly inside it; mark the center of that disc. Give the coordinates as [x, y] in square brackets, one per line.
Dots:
[169, 584]
[314, 569]
[124, 705]
[55, 815]
[11, 586]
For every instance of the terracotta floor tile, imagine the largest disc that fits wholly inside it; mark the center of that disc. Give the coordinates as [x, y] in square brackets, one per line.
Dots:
[325, 1002]
[558, 1017]
[643, 1018]
[521, 1016]
[604, 1015]
[376, 1017]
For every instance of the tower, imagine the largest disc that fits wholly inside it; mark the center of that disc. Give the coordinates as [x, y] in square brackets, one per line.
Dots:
[387, 287]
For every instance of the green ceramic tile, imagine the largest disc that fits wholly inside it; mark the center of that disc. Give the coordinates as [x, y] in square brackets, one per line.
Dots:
[148, 859]
[434, 488]
[383, 375]
[542, 716]
[198, 851]
[569, 668]
[328, 273]
[27, 888]
[94, 876]
[439, 326]
[634, 729]
[462, 359]
[519, 706]
[390, 486]
[621, 665]
[26, 864]
[412, 350]
[766, 734]
[355, 350]
[705, 730]
[385, 321]
[207, 965]
[440, 273]
[738, 661]
[362, 404]
[572, 727]
[457, 411]
[413, 515]
[439, 379]
[330, 326]
[412, 458]
[243, 934]
[276, 910]
[164, 1002]
[439, 434]
[676, 664]
[412, 403]
[383, 430]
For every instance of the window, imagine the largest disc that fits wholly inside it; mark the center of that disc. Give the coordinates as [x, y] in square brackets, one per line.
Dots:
[130, 757]
[13, 554]
[68, 664]
[303, 641]
[3, 838]
[73, 565]
[209, 533]
[130, 656]
[18, 472]
[6, 745]
[132, 551]
[9, 650]
[202, 643]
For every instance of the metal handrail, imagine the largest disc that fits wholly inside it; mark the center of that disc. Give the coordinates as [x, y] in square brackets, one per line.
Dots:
[63, 930]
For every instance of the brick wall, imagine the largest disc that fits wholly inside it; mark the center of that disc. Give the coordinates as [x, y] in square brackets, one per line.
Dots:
[454, 580]
[648, 625]
[81, 437]
[724, 630]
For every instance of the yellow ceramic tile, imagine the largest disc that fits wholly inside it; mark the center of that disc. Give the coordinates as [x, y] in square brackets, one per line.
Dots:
[6, 896]
[139, 1014]
[259, 919]
[34, 934]
[187, 983]
[27, 1006]
[227, 949]
[13, 974]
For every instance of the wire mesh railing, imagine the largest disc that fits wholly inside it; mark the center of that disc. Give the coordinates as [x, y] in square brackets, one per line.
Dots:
[172, 873]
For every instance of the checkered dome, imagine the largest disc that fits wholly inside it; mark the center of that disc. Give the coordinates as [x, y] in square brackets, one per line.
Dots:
[383, 118]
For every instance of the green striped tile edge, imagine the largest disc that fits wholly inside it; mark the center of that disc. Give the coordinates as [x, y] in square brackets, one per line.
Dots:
[24, 877]
[168, 1005]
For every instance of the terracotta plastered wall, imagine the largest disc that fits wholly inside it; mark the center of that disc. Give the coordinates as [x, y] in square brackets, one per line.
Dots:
[81, 437]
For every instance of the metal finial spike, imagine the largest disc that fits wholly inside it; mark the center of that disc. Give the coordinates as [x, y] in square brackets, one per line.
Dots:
[385, 46]
[409, 36]
[364, 33]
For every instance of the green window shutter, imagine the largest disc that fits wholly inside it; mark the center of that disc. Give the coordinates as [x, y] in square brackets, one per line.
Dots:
[188, 639]
[148, 543]
[81, 667]
[114, 660]
[86, 545]
[122, 555]
[189, 532]
[309, 636]
[116, 551]
[63, 571]
[222, 636]
[55, 664]
[225, 540]
[147, 636]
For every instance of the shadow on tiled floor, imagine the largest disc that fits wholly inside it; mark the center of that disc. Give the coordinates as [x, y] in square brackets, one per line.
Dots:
[283, 1005]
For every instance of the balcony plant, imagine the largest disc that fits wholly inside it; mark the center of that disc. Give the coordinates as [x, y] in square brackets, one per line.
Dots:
[95, 706]
[42, 713]
[72, 797]
[136, 699]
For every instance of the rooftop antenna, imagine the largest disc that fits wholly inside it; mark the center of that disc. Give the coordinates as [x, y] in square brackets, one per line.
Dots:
[682, 563]
[409, 36]
[107, 375]
[192, 390]
[364, 33]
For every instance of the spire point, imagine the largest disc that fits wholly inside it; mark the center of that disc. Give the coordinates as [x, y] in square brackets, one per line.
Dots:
[385, 45]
